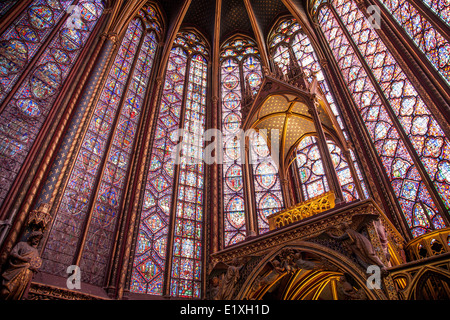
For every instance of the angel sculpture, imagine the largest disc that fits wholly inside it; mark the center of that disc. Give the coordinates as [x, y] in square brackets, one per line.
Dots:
[287, 257]
[224, 286]
[348, 291]
[359, 244]
[306, 264]
[261, 281]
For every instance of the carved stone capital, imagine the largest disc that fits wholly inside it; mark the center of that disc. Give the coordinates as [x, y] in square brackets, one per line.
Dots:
[159, 81]
[107, 10]
[347, 153]
[111, 36]
[313, 106]
[266, 71]
[324, 63]
[40, 218]
[316, 24]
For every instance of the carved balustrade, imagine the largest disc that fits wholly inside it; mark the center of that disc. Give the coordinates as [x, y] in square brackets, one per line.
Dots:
[302, 210]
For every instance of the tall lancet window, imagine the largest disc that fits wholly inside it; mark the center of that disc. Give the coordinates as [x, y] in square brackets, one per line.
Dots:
[241, 77]
[266, 181]
[288, 41]
[35, 63]
[175, 179]
[433, 43]
[87, 216]
[239, 66]
[311, 171]
[410, 143]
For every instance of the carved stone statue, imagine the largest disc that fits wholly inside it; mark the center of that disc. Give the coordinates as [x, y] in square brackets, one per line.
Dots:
[348, 292]
[23, 262]
[305, 264]
[360, 246]
[383, 239]
[287, 259]
[268, 278]
[228, 281]
[401, 249]
[214, 287]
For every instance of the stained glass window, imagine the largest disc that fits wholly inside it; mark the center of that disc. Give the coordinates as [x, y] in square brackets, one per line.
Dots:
[185, 75]
[32, 99]
[267, 184]
[25, 36]
[310, 168]
[429, 40]
[106, 207]
[240, 61]
[252, 73]
[288, 35]
[116, 117]
[441, 8]
[343, 172]
[149, 263]
[410, 110]
[233, 187]
[425, 134]
[187, 250]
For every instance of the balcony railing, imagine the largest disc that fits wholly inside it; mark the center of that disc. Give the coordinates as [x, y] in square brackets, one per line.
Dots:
[302, 210]
[429, 244]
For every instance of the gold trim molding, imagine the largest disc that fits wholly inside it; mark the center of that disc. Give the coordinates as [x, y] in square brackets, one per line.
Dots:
[429, 244]
[309, 228]
[302, 210]
[39, 291]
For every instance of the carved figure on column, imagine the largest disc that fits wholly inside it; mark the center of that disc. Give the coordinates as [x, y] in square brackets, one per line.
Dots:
[23, 263]
[348, 292]
[401, 249]
[383, 239]
[228, 281]
[287, 262]
[360, 246]
[266, 71]
[262, 281]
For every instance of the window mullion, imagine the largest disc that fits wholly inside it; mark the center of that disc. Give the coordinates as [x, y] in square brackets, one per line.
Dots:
[101, 171]
[176, 184]
[403, 136]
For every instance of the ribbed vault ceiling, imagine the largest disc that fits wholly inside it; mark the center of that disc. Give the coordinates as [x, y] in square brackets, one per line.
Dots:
[289, 116]
[234, 15]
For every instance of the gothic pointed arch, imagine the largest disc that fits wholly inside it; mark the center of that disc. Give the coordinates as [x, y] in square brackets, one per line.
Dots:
[316, 273]
[383, 97]
[291, 48]
[241, 76]
[89, 209]
[430, 283]
[44, 37]
[229, 149]
[169, 247]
